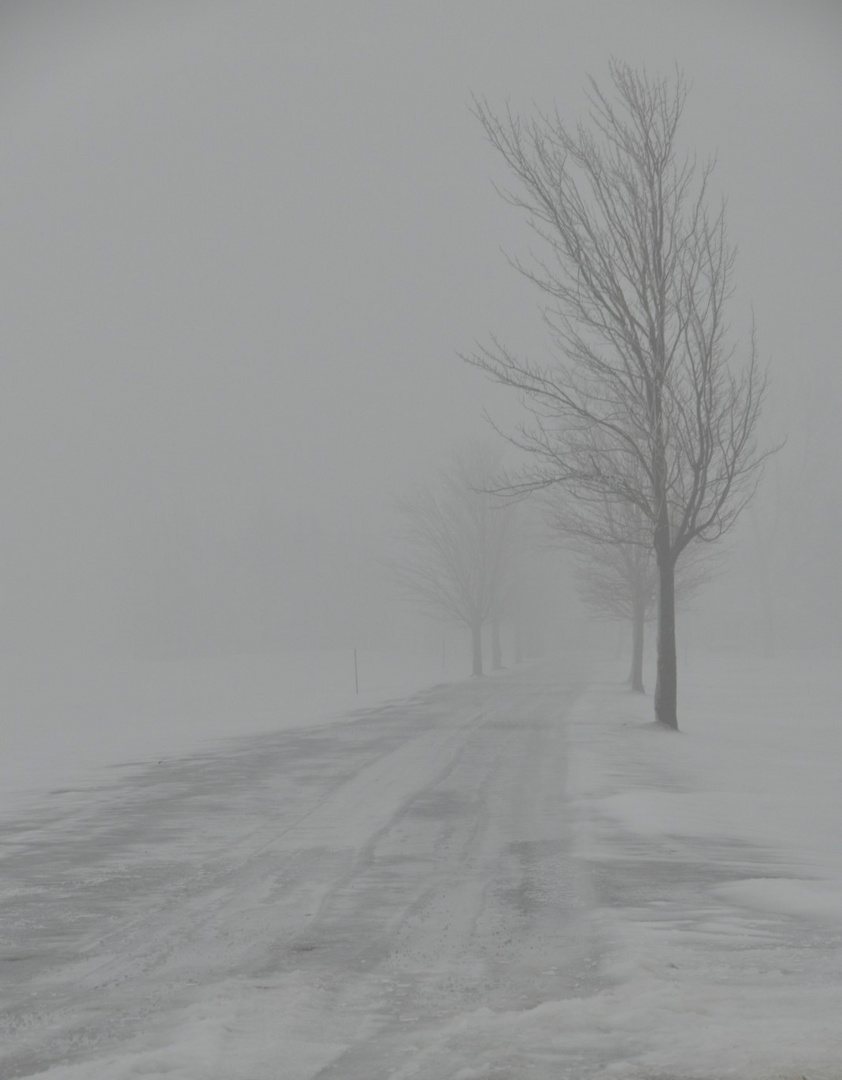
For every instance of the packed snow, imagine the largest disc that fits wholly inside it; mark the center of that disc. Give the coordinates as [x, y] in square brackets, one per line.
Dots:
[327, 898]
[505, 877]
[67, 716]
[728, 962]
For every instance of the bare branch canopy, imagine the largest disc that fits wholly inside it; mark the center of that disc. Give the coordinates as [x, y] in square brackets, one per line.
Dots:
[645, 401]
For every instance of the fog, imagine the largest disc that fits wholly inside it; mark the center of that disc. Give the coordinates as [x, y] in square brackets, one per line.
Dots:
[244, 245]
[257, 818]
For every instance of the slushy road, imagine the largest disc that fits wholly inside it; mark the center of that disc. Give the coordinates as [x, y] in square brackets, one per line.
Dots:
[330, 902]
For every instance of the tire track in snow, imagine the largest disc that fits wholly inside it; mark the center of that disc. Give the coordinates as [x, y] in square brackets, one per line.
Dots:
[423, 876]
[206, 899]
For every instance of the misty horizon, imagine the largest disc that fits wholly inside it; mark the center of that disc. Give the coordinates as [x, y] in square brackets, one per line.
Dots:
[246, 251]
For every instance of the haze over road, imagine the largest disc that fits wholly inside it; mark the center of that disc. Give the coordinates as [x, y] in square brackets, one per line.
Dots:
[324, 903]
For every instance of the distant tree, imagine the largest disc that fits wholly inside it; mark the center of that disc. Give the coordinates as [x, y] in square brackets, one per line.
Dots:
[644, 403]
[620, 581]
[457, 542]
[617, 575]
[787, 545]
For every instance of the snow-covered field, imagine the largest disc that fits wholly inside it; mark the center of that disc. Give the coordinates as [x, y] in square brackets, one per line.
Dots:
[357, 900]
[498, 879]
[759, 760]
[716, 857]
[64, 717]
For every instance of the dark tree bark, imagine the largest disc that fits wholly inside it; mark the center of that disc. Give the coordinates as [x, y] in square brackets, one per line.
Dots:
[496, 651]
[476, 641]
[518, 631]
[638, 628]
[666, 684]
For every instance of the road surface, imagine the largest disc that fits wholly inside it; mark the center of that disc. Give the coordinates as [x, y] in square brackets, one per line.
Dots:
[349, 902]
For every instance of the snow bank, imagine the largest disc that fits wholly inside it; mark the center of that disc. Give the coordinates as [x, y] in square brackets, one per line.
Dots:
[758, 760]
[716, 856]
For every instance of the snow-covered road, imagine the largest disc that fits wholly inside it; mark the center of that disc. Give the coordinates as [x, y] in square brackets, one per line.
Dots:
[359, 900]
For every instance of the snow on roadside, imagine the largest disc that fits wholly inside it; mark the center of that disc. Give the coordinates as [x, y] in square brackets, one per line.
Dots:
[716, 863]
[716, 857]
[759, 761]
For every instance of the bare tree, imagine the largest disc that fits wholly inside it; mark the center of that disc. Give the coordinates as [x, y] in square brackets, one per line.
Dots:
[619, 581]
[458, 542]
[787, 537]
[616, 567]
[616, 572]
[645, 402]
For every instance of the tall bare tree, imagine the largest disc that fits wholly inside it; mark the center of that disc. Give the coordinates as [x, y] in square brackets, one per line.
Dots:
[457, 548]
[646, 402]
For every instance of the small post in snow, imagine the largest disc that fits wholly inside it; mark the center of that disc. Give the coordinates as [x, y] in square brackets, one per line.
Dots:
[356, 674]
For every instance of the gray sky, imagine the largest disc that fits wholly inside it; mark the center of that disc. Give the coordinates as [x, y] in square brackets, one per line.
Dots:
[244, 243]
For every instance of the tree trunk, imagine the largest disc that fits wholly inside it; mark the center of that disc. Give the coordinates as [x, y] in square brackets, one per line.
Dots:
[666, 685]
[638, 625]
[767, 601]
[518, 642]
[476, 638]
[496, 651]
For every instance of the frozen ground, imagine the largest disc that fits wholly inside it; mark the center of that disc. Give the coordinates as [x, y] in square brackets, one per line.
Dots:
[716, 861]
[65, 716]
[358, 900]
[495, 880]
